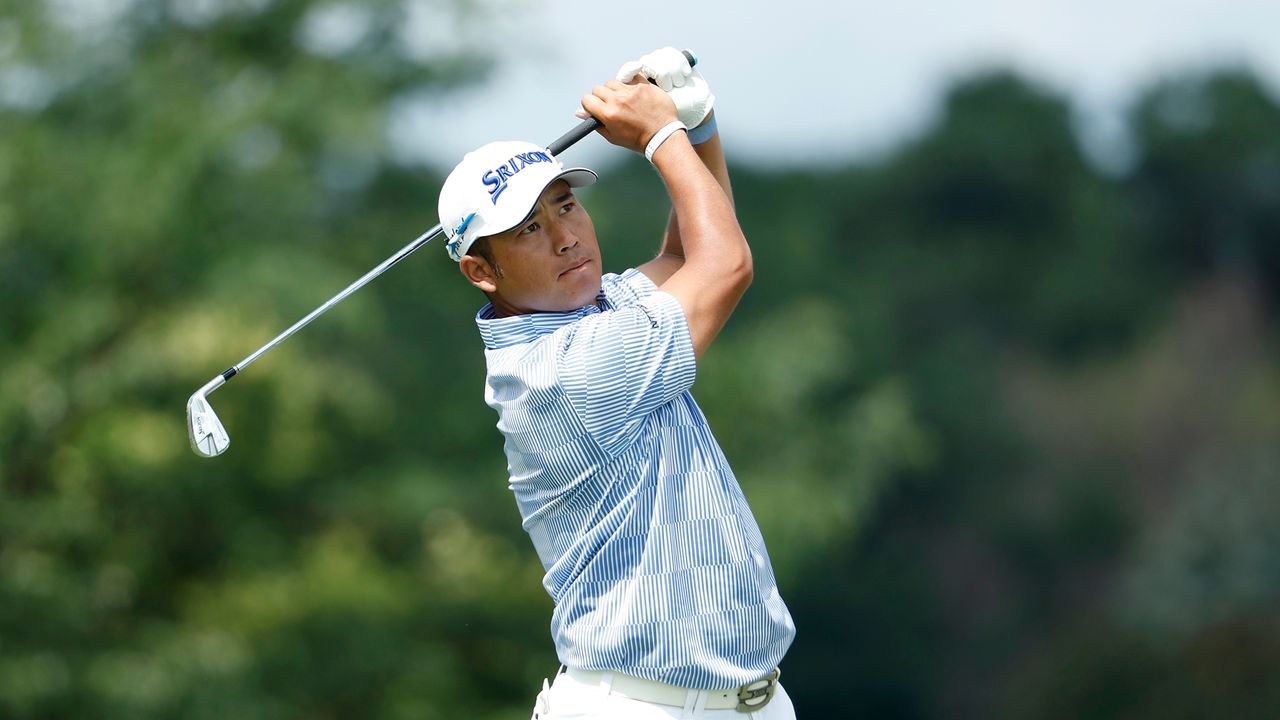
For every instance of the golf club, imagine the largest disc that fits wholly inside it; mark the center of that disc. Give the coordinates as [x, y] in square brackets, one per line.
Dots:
[209, 437]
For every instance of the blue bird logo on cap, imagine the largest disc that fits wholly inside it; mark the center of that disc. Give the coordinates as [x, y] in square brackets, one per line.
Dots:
[466, 223]
[452, 245]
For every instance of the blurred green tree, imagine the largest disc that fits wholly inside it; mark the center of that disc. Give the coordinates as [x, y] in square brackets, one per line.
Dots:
[1008, 422]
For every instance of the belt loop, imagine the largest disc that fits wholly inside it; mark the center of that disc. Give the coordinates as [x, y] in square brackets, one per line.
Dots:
[606, 682]
[690, 705]
[700, 702]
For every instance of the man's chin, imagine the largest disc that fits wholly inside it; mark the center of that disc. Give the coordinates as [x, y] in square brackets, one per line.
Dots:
[586, 298]
[585, 291]
[585, 287]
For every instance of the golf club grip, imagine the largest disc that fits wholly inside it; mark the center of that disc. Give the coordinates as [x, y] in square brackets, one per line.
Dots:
[588, 126]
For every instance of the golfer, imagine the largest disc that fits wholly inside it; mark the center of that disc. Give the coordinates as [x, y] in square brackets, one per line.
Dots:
[665, 599]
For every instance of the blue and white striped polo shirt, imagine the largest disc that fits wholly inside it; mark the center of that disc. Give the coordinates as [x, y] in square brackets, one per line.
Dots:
[653, 558]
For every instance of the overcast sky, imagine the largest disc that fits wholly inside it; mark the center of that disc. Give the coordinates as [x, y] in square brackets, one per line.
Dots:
[819, 81]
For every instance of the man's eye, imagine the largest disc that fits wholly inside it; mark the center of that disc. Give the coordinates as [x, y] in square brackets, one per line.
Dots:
[566, 208]
[530, 228]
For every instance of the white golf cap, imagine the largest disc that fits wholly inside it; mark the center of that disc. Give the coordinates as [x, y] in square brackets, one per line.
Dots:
[495, 188]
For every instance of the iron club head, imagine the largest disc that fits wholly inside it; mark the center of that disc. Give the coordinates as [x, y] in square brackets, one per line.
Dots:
[208, 437]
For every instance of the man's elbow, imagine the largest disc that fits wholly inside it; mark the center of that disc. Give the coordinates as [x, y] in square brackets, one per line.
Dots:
[744, 277]
[744, 269]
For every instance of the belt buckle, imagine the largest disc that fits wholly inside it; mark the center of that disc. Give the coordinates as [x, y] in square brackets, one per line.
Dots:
[755, 695]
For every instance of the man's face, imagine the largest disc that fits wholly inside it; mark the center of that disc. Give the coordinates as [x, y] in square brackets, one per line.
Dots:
[549, 263]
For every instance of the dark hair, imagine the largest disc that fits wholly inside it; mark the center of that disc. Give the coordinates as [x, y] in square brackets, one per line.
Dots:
[481, 249]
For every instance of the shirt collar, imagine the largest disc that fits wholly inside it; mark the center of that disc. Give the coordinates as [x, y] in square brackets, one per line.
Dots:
[499, 333]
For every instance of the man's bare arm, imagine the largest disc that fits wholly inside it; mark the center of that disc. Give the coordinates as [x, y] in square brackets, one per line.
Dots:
[671, 254]
[717, 267]
[717, 261]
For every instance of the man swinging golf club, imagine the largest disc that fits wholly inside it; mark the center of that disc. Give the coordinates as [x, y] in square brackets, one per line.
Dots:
[665, 600]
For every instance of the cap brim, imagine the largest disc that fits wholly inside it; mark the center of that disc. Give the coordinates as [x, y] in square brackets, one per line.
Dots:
[576, 177]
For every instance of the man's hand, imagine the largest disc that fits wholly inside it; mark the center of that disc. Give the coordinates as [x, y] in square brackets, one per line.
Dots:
[669, 69]
[629, 115]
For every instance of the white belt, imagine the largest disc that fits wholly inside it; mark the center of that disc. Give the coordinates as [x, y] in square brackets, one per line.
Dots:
[748, 698]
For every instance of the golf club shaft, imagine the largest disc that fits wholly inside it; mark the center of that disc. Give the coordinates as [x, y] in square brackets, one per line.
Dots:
[559, 145]
[382, 267]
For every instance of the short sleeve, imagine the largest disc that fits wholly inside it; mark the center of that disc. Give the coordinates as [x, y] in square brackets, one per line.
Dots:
[627, 289]
[618, 367]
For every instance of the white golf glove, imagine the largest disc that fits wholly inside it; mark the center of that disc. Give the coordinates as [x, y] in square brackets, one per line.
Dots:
[670, 70]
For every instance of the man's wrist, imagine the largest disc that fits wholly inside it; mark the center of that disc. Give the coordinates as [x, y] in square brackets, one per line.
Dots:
[703, 132]
[661, 136]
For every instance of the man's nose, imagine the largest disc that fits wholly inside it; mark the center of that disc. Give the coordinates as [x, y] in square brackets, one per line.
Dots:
[563, 238]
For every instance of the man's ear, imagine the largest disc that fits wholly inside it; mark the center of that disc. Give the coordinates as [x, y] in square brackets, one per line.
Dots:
[479, 273]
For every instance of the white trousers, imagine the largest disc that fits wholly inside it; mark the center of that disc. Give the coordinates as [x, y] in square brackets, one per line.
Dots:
[569, 699]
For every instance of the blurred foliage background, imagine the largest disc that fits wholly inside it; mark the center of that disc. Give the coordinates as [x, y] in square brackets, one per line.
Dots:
[1010, 423]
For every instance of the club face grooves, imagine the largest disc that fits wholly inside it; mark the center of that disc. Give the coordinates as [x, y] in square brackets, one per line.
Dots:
[208, 437]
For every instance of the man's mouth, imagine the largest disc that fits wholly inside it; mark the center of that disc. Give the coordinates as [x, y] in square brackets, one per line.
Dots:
[576, 266]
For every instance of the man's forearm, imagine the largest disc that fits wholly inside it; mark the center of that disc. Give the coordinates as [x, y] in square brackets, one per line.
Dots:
[707, 225]
[711, 153]
[717, 267]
